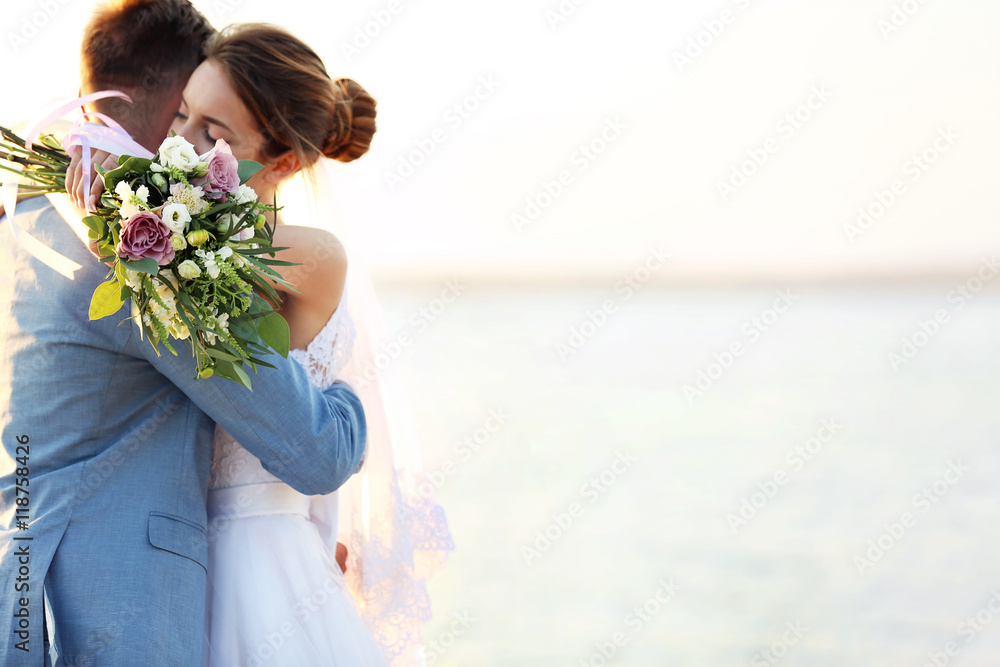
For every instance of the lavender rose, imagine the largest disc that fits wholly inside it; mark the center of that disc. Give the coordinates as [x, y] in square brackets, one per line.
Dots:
[145, 236]
[223, 171]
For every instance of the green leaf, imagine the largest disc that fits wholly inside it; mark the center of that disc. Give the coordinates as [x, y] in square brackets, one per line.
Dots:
[274, 333]
[248, 168]
[106, 300]
[95, 223]
[255, 360]
[278, 262]
[217, 208]
[242, 326]
[147, 265]
[232, 372]
[260, 251]
[220, 355]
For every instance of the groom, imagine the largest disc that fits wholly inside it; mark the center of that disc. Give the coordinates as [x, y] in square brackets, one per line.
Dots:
[107, 446]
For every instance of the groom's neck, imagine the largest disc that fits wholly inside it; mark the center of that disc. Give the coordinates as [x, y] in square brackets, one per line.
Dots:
[147, 120]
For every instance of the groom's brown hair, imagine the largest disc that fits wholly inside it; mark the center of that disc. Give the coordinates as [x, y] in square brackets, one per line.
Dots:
[147, 49]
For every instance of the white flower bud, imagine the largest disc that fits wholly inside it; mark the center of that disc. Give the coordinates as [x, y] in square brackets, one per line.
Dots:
[188, 270]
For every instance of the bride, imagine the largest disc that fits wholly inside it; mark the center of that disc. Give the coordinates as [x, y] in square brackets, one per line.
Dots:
[277, 591]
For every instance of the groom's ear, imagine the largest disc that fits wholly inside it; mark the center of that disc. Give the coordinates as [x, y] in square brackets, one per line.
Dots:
[281, 168]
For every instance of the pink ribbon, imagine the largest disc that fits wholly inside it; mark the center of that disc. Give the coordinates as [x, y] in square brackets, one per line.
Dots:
[111, 138]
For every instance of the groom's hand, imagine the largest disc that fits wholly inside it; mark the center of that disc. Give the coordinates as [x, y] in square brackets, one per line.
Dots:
[75, 177]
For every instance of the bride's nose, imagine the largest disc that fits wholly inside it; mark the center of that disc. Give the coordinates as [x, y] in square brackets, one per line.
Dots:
[183, 128]
[187, 131]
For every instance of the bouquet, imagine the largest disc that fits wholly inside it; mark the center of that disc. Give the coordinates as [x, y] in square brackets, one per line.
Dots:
[190, 247]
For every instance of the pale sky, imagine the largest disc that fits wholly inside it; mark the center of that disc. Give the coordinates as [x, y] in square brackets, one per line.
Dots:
[674, 129]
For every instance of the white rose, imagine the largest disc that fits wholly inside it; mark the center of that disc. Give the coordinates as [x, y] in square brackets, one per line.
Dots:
[177, 152]
[188, 270]
[175, 216]
[178, 242]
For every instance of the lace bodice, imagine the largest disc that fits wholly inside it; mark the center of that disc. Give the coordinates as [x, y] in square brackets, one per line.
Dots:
[323, 359]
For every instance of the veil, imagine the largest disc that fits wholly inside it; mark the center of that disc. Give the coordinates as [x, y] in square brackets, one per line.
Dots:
[395, 533]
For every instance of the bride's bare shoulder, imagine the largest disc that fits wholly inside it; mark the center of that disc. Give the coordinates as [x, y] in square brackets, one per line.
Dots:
[321, 261]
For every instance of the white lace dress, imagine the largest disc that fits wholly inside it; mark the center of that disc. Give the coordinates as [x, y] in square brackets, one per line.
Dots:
[276, 595]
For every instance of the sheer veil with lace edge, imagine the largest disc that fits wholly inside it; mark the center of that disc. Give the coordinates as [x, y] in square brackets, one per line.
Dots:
[396, 534]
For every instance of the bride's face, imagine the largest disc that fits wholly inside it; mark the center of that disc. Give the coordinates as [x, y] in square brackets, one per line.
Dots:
[211, 110]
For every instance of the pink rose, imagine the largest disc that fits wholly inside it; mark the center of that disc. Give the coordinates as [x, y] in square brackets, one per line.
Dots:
[223, 171]
[145, 236]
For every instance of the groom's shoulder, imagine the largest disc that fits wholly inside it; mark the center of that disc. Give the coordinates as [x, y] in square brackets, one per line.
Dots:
[54, 222]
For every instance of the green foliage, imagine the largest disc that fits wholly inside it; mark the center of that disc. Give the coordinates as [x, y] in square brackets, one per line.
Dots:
[106, 301]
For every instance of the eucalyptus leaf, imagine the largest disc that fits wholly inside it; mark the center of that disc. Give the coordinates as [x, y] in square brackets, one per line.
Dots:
[274, 333]
[219, 354]
[106, 300]
[147, 265]
[248, 168]
[95, 223]
[233, 372]
[242, 326]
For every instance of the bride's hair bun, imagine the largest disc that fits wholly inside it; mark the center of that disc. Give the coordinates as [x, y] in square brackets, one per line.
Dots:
[353, 122]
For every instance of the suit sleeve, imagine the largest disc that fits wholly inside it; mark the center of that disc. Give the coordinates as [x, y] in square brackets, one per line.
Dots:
[310, 439]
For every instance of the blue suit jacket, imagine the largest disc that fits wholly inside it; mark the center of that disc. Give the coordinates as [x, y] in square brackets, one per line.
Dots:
[110, 447]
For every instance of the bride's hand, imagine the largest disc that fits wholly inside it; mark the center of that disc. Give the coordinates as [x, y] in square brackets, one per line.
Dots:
[75, 179]
[342, 556]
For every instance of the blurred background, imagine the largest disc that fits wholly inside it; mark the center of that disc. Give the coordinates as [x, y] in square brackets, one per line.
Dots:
[715, 381]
